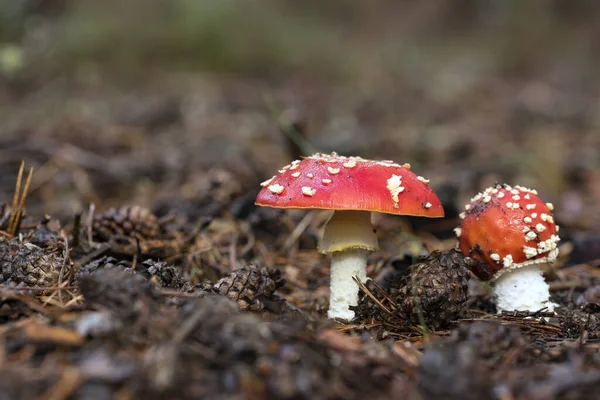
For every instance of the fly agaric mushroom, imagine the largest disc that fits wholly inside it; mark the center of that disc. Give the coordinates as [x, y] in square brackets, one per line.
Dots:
[353, 187]
[509, 232]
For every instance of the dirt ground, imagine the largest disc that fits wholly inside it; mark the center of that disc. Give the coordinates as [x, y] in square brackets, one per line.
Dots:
[137, 265]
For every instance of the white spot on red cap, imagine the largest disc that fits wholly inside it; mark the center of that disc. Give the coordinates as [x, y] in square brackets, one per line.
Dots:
[428, 205]
[276, 188]
[423, 179]
[495, 257]
[310, 175]
[350, 163]
[530, 252]
[308, 191]
[507, 261]
[544, 246]
[296, 174]
[333, 171]
[458, 231]
[540, 228]
[326, 181]
[530, 206]
[550, 206]
[394, 185]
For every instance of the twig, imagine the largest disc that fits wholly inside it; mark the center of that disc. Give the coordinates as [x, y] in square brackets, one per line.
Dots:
[385, 295]
[362, 287]
[66, 386]
[420, 314]
[76, 229]
[63, 266]
[188, 326]
[16, 195]
[28, 301]
[250, 241]
[35, 288]
[88, 257]
[90, 222]
[17, 221]
[299, 230]
[176, 293]
[560, 285]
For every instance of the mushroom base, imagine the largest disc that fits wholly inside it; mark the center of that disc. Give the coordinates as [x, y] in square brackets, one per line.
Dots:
[344, 291]
[522, 289]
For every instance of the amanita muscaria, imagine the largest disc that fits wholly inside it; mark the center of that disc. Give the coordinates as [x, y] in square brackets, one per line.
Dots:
[510, 232]
[354, 187]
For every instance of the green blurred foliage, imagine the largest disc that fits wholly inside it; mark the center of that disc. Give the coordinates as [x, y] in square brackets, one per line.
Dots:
[224, 35]
[278, 37]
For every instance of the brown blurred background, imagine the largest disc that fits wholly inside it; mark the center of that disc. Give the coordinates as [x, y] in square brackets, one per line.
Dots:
[151, 101]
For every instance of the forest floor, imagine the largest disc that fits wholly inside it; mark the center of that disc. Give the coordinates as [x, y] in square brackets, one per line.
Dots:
[141, 268]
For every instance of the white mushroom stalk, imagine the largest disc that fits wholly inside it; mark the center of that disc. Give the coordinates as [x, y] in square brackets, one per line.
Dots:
[344, 292]
[522, 289]
[349, 237]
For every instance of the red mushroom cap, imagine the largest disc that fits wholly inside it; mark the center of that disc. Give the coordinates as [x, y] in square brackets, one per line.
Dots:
[507, 227]
[332, 182]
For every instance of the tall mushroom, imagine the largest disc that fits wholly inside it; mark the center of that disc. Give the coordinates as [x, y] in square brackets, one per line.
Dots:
[353, 187]
[510, 232]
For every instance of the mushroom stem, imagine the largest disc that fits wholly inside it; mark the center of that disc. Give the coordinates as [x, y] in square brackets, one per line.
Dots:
[344, 291]
[348, 236]
[522, 289]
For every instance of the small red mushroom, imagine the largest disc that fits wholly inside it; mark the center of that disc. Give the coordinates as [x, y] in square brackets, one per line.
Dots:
[508, 232]
[353, 187]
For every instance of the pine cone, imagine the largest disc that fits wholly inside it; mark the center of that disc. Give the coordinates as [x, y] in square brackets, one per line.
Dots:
[26, 263]
[130, 221]
[164, 274]
[106, 262]
[436, 286]
[250, 286]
